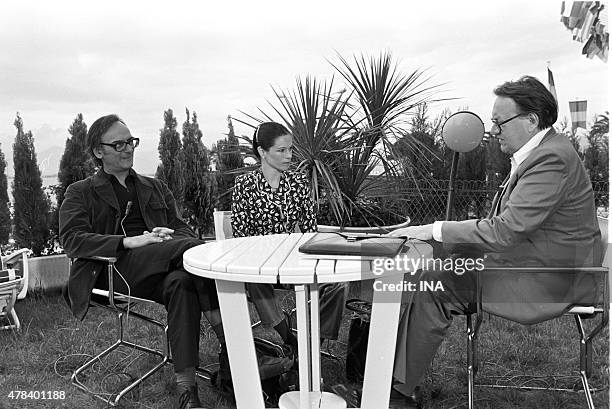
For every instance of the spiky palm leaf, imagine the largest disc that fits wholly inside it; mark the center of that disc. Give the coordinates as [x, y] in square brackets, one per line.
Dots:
[386, 98]
[316, 117]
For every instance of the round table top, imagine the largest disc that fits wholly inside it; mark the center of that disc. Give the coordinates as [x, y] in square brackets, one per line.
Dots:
[276, 259]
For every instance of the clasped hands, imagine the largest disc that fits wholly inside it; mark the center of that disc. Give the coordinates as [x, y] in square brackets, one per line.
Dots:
[156, 235]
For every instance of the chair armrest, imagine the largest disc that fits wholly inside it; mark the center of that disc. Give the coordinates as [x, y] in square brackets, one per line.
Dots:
[101, 258]
[601, 270]
[14, 255]
[111, 294]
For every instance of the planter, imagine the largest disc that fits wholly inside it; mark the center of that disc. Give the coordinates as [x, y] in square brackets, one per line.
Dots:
[48, 273]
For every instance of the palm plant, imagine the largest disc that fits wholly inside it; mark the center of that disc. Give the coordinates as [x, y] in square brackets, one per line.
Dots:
[341, 138]
[316, 117]
[385, 100]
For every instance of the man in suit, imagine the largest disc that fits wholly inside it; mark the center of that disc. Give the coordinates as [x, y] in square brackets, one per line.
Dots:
[119, 213]
[544, 216]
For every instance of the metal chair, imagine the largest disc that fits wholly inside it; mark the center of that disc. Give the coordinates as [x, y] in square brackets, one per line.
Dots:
[13, 286]
[19, 260]
[579, 312]
[121, 305]
[9, 290]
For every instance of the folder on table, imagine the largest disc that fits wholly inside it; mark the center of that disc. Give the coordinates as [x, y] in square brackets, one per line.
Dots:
[352, 245]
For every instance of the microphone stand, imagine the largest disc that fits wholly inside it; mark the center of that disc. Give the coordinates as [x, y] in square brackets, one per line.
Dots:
[450, 199]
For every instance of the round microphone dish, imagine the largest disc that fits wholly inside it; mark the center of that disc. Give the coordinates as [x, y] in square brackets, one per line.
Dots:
[463, 131]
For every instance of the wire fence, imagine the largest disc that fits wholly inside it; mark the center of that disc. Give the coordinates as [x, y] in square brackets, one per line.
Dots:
[425, 200]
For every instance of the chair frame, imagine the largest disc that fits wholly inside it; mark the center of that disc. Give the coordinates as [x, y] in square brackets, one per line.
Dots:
[579, 312]
[10, 259]
[9, 290]
[18, 287]
[120, 305]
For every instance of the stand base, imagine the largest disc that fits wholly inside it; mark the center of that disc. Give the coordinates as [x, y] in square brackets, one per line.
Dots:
[316, 400]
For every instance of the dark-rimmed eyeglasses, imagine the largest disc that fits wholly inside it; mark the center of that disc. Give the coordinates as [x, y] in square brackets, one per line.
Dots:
[496, 128]
[120, 146]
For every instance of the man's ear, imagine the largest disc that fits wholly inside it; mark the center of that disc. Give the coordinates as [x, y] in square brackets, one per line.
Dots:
[534, 120]
[97, 151]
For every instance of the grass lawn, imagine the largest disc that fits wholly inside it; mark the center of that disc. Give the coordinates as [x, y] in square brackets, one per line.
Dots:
[52, 343]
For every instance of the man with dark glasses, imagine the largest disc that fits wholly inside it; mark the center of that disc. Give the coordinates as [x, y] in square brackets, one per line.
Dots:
[119, 213]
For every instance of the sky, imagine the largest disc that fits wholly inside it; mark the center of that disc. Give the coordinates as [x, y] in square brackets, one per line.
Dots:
[138, 59]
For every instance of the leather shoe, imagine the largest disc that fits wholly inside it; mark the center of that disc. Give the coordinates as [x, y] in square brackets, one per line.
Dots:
[399, 400]
[268, 366]
[189, 399]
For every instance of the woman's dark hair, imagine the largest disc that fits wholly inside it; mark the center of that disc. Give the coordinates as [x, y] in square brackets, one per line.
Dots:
[96, 130]
[265, 136]
[531, 96]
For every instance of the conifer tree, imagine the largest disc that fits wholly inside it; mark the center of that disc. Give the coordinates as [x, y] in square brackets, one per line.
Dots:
[170, 170]
[228, 159]
[5, 215]
[31, 204]
[199, 195]
[76, 163]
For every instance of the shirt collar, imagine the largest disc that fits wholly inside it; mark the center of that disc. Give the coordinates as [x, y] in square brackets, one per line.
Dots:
[264, 183]
[108, 176]
[519, 156]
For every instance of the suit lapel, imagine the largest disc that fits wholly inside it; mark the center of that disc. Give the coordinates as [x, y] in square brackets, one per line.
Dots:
[510, 184]
[104, 190]
[500, 191]
[144, 190]
[502, 195]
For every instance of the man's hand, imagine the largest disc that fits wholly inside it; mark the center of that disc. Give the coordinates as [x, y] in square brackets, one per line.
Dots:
[163, 232]
[424, 232]
[157, 235]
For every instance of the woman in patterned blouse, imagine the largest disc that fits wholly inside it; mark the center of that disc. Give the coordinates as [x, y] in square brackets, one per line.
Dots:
[272, 200]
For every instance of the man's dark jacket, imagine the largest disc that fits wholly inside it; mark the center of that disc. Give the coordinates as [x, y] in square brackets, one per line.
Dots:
[89, 225]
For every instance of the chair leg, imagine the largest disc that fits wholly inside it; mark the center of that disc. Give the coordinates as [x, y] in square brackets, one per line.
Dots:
[16, 323]
[470, 361]
[473, 325]
[165, 356]
[586, 355]
[13, 321]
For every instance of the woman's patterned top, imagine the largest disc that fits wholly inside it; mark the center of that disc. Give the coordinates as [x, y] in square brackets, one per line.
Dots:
[258, 210]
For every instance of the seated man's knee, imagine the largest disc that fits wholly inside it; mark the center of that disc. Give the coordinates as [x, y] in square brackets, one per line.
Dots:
[178, 280]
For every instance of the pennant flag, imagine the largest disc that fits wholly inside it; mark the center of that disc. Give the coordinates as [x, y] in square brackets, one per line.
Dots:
[551, 85]
[578, 111]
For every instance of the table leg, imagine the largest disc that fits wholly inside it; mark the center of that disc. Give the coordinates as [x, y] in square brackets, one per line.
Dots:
[381, 345]
[315, 338]
[303, 327]
[240, 347]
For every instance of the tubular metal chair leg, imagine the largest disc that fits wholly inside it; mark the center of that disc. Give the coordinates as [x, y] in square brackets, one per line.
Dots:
[472, 353]
[586, 349]
[13, 321]
[165, 356]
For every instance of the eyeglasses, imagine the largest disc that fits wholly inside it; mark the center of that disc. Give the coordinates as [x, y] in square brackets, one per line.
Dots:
[120, 146]
[496, 128]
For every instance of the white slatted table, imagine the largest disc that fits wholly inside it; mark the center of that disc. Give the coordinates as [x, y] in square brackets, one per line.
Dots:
[273, 259]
